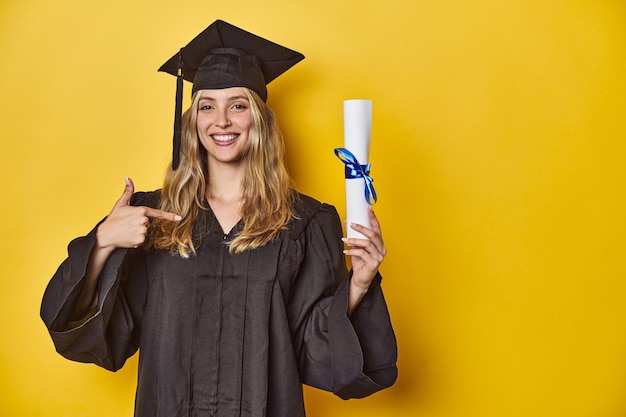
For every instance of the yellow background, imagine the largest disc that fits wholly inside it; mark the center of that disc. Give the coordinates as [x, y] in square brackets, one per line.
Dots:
[498, 153]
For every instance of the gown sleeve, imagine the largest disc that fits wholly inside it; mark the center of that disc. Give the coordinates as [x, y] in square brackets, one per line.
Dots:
[351, 356]
[107, 336]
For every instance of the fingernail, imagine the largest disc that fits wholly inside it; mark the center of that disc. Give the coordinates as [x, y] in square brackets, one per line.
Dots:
[177, 217]
[127, 180]
[344, 239]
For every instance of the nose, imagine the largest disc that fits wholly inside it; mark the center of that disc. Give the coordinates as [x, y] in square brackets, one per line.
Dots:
[222, 119]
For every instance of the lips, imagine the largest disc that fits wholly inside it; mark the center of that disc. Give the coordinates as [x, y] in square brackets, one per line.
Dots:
[224, 139]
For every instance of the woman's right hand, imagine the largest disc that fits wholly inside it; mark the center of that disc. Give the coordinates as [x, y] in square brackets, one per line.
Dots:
[127, 226]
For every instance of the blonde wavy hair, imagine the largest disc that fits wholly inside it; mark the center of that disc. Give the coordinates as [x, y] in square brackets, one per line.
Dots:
[268, 195]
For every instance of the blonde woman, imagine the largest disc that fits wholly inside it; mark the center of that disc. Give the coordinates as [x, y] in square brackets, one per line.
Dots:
[232, 285]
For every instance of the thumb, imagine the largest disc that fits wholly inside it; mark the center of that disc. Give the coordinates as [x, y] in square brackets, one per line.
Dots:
[126, 195]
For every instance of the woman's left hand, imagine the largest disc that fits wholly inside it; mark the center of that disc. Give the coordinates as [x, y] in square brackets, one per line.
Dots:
[367, 255]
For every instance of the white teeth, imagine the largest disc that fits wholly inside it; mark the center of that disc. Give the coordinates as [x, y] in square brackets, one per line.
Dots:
[223, 138]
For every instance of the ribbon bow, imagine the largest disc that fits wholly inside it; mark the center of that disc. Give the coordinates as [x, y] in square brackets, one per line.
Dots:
[356, 170]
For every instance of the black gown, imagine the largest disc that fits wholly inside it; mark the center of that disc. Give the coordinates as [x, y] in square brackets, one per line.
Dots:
[229, 335]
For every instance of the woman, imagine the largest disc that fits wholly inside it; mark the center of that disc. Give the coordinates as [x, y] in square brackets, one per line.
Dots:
[232, 285]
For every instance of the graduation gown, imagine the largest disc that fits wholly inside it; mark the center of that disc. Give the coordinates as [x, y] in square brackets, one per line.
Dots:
[229, 335]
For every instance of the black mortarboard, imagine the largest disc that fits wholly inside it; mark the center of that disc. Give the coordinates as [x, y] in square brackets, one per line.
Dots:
[224, 56]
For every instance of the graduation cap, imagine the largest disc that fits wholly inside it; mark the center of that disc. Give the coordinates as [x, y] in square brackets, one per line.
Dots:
[224, 56]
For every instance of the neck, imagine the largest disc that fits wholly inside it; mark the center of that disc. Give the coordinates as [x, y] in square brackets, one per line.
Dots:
[225, 182]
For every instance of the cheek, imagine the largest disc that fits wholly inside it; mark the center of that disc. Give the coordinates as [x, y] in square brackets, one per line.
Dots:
[244, 121]
[201, 123]
[249, 129]
[201, 129]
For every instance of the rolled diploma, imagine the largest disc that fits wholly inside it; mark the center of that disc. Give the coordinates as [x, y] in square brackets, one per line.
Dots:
[357, 130]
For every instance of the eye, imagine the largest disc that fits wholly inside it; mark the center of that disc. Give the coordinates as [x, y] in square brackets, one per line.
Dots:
[205, 107]
[239, 107]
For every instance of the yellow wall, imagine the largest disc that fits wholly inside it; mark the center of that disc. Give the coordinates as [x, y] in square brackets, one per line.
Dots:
[499, 150]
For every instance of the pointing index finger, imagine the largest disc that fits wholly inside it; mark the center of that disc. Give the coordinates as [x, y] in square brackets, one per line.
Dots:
[160, 214]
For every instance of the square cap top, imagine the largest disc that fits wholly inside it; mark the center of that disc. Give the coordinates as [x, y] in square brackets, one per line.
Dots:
[224, 56]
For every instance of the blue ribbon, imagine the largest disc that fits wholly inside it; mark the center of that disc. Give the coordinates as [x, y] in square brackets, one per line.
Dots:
[356, 170]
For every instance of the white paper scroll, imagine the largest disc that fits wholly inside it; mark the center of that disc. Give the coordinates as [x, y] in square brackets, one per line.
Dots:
[357, 130]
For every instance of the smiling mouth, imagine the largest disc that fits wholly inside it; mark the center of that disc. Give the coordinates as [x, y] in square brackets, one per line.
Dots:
[224, 138]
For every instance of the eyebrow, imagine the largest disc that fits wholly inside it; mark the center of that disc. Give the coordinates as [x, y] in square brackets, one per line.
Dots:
[229, 98]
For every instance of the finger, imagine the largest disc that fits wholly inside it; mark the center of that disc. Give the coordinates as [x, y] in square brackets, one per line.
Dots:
[129, 189]
[371, 260]
[160, 214]
[373, 239]
[364, 230]
[368, 235]
[373, 232]
[374, 221]
[373, 248]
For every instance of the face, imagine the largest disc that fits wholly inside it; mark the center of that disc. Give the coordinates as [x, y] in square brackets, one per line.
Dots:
[224, 124]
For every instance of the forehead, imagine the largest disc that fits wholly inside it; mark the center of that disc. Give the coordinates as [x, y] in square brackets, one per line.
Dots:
[223, 93]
